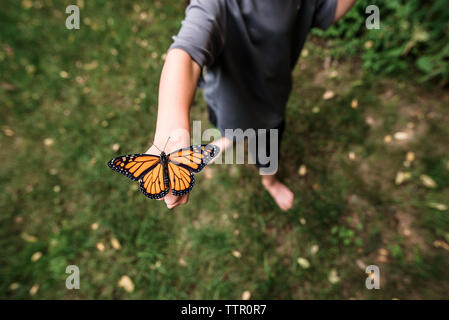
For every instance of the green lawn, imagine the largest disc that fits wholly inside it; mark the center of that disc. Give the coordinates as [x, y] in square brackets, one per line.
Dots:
[68, 97]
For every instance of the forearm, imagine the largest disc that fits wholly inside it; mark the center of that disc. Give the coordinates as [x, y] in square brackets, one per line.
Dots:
[343, 7]
[177, 87]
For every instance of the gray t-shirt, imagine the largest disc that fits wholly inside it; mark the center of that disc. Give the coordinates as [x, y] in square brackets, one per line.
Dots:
[250, 48]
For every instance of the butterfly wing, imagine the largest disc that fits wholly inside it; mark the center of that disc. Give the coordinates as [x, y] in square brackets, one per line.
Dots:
[184, 162]
[145, 168]
[134, 165]
[154, 183]
[194, 158]
[181, 179]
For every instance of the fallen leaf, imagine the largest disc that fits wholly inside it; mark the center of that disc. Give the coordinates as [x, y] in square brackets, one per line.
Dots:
[49, 142]
[115, 147]
[303, 221]
[302, 170]
[303, 262]
[328, 94]
[314, 249]
[27, 237]
[354, 103]
[34, 289]
[126, 283]
[438, 206]
[401, 177]
[351, 155]
[427, 181]
[388, 139]
[369, 44]
[115, 244]
[64, 74]
[8, 132]
[383, 252]
[410, 156]
[36, 256]
[94, 226]
[236, 254]
[100, 246]
[333, 276]
[182, 262]
[400, 135]
[13, 286]
[441, 244]
[246, 295]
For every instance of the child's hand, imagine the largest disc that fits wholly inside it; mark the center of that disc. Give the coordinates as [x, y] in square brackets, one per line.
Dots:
[177, 141]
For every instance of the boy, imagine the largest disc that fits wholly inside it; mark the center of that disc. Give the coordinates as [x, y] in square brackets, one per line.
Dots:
[250, 48]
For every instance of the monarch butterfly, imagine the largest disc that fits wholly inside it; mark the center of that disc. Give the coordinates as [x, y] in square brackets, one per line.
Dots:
[158, 174]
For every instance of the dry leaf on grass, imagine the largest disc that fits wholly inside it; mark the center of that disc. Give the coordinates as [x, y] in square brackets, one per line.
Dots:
[36, 256]
[333, 276]
[246, 295]
[401, 136]
[100, 246]
[328, 94]
[314, 249]
[427, 181]
[126, 283]
[94, 226]
[401, 177]
[115, 244]
[438, 206]
[236, 254]
[303, 262]
[302, 171]
[27, 237]
[34, 289]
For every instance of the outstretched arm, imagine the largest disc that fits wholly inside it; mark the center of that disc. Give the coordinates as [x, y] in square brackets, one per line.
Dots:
[343, 7]
[177, 88]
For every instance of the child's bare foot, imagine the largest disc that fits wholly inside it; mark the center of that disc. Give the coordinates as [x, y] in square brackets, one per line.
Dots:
[279, 191]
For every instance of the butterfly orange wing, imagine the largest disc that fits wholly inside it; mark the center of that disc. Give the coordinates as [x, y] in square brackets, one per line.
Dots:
[145, 168]
[184, 162]
[133, 165]
[154, 184]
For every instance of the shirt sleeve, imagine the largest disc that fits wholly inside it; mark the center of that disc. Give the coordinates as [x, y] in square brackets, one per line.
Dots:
[202, 34]
[324, 13]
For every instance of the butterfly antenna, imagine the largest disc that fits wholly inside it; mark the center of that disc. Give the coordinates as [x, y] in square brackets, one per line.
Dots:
[157, 148]
[166, 143]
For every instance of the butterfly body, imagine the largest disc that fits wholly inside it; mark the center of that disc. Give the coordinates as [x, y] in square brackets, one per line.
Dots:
[158, 174]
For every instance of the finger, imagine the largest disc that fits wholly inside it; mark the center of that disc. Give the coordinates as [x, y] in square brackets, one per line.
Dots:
[178, 201]
[170, 199]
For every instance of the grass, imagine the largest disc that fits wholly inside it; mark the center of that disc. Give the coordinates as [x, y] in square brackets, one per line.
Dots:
[68, 96]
